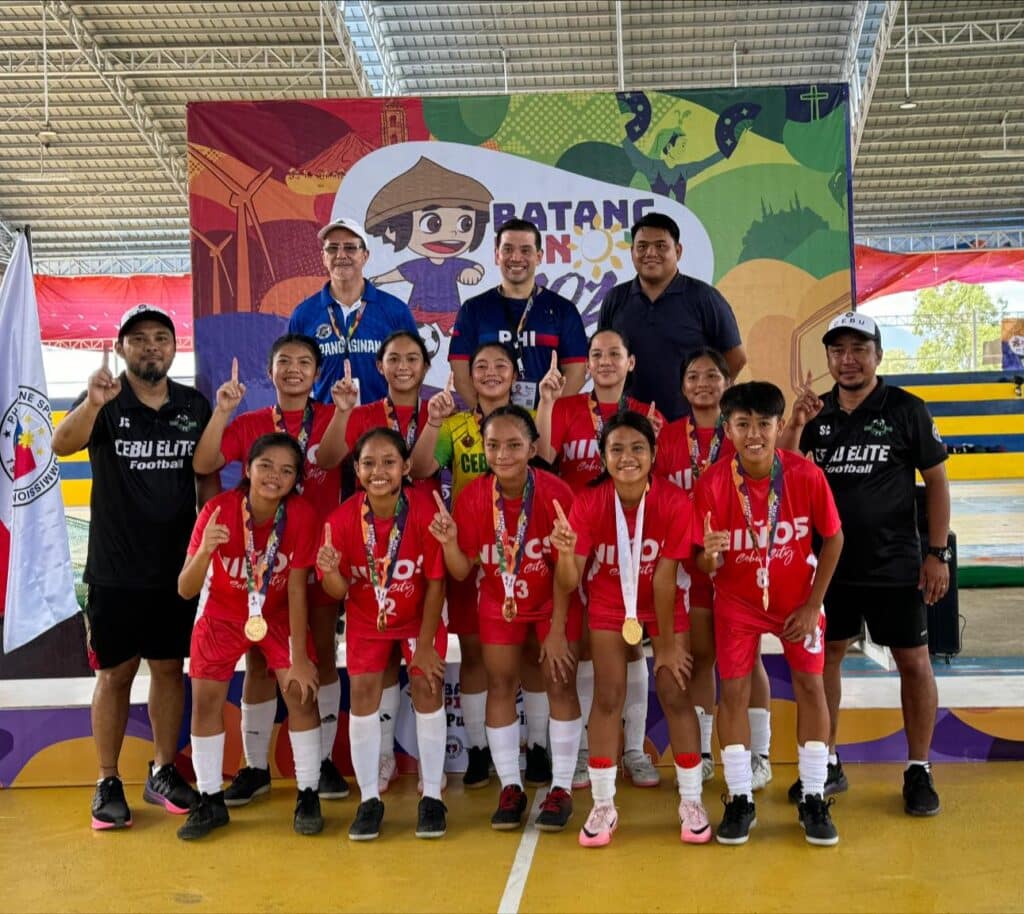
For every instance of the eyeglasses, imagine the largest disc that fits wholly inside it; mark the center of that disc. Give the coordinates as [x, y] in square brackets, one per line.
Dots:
[334, 249]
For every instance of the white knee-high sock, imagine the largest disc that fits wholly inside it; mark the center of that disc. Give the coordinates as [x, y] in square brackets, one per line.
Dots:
[329, 701]
[431, 735]
[736, 762]
[390, 701]
[707, 724]
[635, 711]
[306, 752]
[813, 767]
[364, 742]
[538, 712]
[602, 785]
[690, 782]
[565, 744]
[760, 730]
[257, 729]
[208, 762]
[474, 713]
[585, 691]
[504, 743]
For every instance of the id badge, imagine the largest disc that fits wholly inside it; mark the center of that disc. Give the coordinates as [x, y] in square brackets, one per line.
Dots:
[524, 394]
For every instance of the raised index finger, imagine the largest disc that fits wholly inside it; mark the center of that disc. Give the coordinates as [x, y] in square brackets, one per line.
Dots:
[327, 535]
[560, 512]
[214, 514]
[707, 522]
[449, 385]
[651, 410]
[439, 501]
[234, 370]
[554, 360]
[810, 378]
[348, 370]
[106, 355]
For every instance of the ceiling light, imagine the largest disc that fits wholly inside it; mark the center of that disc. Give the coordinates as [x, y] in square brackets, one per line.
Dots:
[47, 177]
[908, 104]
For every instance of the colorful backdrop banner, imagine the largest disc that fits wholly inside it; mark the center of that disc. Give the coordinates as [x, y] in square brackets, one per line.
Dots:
[757, 178]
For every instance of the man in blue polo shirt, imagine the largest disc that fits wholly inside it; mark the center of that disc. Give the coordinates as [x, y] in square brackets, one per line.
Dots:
[349, 317]
[666, 315]
[533, 321]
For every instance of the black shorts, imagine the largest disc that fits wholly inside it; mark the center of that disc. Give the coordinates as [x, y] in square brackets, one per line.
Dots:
[123, 623]
[895, 616]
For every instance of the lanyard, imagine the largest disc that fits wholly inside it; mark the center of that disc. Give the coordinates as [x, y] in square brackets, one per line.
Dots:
[516, 344]
[774, 504]
[510, 548]
[382, 569]
[391, 417]
[595, 412]
[346, 337]
[259, 570]
[628, 554]
[697, 465]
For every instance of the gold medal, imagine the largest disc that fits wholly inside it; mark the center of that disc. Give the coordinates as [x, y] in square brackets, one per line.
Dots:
[632, 631]
[382, 621]
[508, 609]
[764, 597]
[255, 628]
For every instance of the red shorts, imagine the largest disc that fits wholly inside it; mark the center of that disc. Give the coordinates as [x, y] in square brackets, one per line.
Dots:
[738, 633]
[500, 631]
[367, 654]
[605, 619]
[218, 645]
[462, 604]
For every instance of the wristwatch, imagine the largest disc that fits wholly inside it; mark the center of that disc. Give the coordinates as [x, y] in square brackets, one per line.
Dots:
[943, 553]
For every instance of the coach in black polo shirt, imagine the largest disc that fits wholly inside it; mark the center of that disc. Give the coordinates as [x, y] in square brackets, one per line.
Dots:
[666, 315]
[869, 438]
[141, 429]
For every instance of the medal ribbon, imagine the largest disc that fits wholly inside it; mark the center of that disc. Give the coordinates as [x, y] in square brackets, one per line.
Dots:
[259, 571]
[595, 412]
[382, 569]
[305, 430]
[510, 552]
[345, 336]
[391, 416]
[628, 553]
[699, 466]
[774, 504]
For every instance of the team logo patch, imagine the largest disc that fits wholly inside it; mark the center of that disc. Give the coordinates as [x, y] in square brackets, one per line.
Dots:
[323, 332]
[878, 427]
[183, 422]
[26, 453]
[824, 431]
[935, 433]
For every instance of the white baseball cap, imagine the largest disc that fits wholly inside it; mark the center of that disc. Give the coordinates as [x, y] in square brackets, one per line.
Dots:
[855, 323]
[350, 225]
[143, 312]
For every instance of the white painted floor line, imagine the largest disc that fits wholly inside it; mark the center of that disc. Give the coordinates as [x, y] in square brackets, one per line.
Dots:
[520, 871]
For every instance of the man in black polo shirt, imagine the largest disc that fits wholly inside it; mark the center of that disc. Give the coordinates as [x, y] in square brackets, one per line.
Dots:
[666, 315]
[141, 429]
[869, 438]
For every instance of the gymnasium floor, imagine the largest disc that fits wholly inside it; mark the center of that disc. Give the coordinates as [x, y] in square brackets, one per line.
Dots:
[967, 859]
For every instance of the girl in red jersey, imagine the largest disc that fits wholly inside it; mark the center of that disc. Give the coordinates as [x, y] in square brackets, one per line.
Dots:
[403, 360]
[505, 522]
[571, 436]
[377, 551]
[250, 555]
[632, 531]
[686, 448]
[293, 365]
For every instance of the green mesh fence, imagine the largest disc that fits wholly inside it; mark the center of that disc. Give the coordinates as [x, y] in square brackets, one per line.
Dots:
[78, 537]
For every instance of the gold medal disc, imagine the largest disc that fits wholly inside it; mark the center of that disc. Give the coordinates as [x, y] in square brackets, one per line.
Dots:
[382, 621]
[632, 631]
[508, 609]
[255, 628]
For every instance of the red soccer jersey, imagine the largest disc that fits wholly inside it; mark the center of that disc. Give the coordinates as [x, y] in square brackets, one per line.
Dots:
[322, 488]
[375, 415]
[474, 516]
[418, 560]
[806, 506]
[225, 593]
[675, 462]
[668, 518]
[574, 436]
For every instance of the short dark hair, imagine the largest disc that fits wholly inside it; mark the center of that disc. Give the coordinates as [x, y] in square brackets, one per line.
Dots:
[705, 352]
[627, 418]
[263, 444]
[406, 335]
[381, 431]
[656, 221]
[303, 340]
[517, 225]
[622, 336]
[512, 411]
[401, 226]
[761, 397]
[495, 344]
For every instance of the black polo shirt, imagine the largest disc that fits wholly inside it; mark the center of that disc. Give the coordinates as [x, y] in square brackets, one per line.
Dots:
[687, 315]
[143, 503]
[869, 457]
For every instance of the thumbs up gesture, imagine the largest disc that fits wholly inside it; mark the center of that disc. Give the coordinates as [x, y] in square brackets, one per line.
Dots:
[715, 541]
[553, 383]
[102, 385]
[230, 393]
[327, 557]
[345, 391]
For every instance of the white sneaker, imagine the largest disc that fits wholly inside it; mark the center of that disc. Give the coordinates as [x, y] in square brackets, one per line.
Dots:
[637, 766]
[581, 776]
[760, 771]
[707, 768]
[387, 772]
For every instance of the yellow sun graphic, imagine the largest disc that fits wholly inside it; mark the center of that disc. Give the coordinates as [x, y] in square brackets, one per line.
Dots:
[597, 244]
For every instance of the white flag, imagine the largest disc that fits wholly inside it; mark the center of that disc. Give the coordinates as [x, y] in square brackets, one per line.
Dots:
[40, 588]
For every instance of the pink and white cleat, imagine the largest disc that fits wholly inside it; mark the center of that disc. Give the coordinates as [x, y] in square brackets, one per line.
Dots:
[694, 827]
[600, 824]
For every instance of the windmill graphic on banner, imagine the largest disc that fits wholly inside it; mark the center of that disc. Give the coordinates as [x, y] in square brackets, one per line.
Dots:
[242, 200]
[217, 256]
